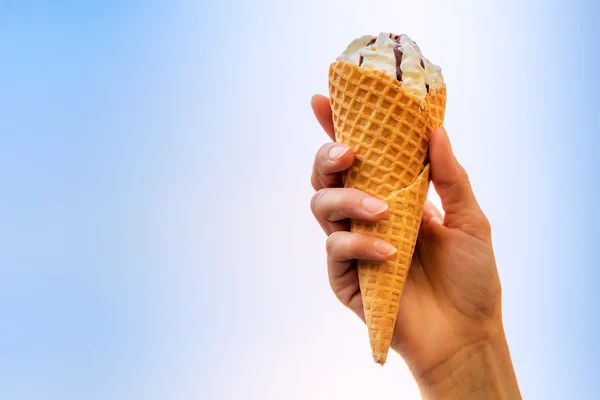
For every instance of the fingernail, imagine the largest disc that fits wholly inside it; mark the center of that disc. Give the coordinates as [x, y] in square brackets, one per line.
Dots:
[384, 248]
[373, 205]
[435, 220]
[337, 152]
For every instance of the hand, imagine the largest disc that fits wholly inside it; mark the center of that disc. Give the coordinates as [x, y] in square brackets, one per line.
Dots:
[451, 306]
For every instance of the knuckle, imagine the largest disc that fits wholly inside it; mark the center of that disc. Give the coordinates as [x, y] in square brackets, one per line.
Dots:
[343, 296]
[314, 181]
[322, 155]
[317, 200]
[332, 242]
[476, 223]
[486, 224]
[464, 174]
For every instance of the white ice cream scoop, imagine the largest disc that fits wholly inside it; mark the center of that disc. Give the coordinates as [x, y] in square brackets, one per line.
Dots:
[398, 56]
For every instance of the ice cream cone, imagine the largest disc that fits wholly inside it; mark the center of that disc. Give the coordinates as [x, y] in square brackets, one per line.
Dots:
[388, 128]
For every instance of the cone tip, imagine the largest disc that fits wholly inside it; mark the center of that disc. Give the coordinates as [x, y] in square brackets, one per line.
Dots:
[379, 359]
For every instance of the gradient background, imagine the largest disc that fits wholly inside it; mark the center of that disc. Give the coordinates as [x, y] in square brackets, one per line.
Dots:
[156, 240]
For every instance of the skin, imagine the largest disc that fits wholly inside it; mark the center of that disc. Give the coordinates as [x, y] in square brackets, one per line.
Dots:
[449, 328]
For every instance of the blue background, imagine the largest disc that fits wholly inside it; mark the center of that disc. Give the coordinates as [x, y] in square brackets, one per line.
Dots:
[155, 236]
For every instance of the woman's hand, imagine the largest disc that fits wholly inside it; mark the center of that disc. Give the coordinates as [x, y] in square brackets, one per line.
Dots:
[450, 311]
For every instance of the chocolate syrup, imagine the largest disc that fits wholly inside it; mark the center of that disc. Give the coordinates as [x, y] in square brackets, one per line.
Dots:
[398, 54]
[361, 58]
[423, 65]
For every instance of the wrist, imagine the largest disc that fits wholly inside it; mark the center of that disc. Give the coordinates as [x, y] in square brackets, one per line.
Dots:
[480, 370]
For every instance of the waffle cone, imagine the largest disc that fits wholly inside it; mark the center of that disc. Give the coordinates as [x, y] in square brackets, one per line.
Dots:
[388, 128]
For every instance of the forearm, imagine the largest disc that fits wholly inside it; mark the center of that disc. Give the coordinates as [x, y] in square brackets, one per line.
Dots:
[482, 370]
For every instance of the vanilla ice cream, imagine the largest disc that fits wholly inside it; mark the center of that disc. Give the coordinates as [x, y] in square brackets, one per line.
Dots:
[397, 56]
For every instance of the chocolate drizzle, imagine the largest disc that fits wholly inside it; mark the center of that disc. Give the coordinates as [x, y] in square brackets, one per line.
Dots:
[423, 66]
[361, 58]
[398, 54]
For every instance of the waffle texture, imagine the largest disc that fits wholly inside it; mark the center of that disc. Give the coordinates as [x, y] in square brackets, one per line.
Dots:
[388, 128]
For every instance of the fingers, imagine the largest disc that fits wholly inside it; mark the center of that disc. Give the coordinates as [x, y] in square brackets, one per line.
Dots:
[452, 184]
[431, 215]
[322, 110]
[330, 161]
[333, 206]
[344, 247]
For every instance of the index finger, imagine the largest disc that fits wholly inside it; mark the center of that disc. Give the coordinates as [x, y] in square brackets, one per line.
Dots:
[322, 110]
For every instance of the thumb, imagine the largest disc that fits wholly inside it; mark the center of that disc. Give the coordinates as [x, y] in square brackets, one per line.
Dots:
[452, 184]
